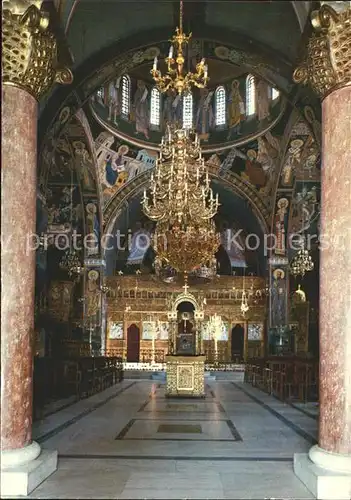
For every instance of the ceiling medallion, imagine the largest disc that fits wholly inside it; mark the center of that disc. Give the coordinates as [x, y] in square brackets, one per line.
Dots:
[175, 79]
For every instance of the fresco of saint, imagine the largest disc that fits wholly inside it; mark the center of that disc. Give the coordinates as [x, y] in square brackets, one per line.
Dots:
[114, 101]
[254, 170]
[141, 109]
[278, 298]
[172, 109]
[115, 171]
[280, 221]
[262, 100]
[236, 110]
[92, 295]
[204, 120]
[93, 229]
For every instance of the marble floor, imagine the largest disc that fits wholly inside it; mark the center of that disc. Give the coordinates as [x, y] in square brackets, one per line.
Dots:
[131, 442]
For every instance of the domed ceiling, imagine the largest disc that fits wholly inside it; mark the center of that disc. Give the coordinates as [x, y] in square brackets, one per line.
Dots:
[266, 36]
[222, 121]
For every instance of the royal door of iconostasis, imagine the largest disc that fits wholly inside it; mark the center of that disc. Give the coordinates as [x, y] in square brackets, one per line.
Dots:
[133, 344]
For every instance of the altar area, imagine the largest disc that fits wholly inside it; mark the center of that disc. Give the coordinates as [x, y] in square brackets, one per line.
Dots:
[146, 321]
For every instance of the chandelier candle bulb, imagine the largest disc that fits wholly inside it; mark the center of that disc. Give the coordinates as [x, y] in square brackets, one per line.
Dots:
[155, 63]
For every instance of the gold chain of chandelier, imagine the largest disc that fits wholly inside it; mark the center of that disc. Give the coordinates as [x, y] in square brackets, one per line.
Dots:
[175, 79]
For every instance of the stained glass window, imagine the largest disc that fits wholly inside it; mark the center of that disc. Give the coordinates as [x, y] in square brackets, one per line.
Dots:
[220, 106]
[188, 111]
[155, 107]
[125, 104]
[250, 95]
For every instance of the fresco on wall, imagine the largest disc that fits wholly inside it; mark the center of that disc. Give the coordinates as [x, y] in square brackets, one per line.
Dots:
[84, 166]
[140, 109]
[256, 163]
[278, 297]
[61, 215]
[302, 159]
[305, 208]
[119, 163]
[92, 228]
[92, 295]
[228, 112]
[171, 111]
[280, 226]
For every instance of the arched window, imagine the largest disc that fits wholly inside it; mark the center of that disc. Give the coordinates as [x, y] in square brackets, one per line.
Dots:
[155, 107]
[101, 93]
[220, 106]
[274, 93]
[250, 95]
[188, 111]
[125, 96]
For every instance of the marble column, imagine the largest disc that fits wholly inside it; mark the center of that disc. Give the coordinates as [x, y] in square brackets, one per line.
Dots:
[27, 74]
[335, 271]
[18, 206]
[327, 469]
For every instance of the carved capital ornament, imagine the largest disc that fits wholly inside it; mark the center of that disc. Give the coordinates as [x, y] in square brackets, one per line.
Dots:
[327, 66]
[29, 49]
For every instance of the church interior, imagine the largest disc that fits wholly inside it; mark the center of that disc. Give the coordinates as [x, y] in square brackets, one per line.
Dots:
[169, 327]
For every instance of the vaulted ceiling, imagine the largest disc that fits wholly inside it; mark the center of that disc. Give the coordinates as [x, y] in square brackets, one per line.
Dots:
[91, 25]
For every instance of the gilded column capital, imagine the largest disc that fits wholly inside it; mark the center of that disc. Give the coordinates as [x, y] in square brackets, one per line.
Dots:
[327, 66]
[29, 49]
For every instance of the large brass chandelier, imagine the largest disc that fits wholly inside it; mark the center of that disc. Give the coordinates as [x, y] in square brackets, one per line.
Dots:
[182, 204]
[180, 186]
[175, 79]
